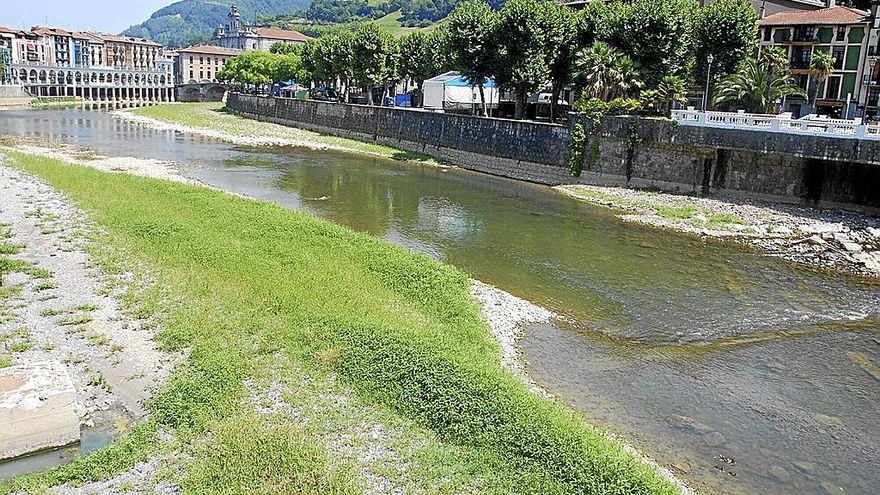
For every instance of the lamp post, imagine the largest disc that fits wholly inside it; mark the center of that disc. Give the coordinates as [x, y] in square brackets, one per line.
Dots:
[868, 81]
[709, 59]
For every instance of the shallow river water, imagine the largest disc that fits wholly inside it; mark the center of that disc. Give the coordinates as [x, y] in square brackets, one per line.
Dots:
[743, 373]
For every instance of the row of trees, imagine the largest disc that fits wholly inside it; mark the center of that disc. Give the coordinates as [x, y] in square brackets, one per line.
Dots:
[648, 51]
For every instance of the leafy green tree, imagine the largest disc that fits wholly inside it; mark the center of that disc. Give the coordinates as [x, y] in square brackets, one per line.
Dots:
[590, 22]
[420, 56]
[281, 47]
[288, 67]
[728, 30]
[756, 87]
[252, 68]
[656, 34]
[523, 48]
[821, 68]
[373, 53]
[606, 73]
[563, 35]
[469, 34]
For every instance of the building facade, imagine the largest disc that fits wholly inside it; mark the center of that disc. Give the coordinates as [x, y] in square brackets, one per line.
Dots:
[845, 33]
[240, 35]
[51, 62]
[200, 64]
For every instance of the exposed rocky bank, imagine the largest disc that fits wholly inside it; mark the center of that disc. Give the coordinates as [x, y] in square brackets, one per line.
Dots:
[836, 240]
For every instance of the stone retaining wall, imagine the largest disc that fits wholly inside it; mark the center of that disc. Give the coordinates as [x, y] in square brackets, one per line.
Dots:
[623, 151]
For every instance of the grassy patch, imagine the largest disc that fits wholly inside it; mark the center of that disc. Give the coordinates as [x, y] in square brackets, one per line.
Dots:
[676, 212]
[725, 218]
[74, 320]
[255, 455]
[214, 117]
[5, 361]
[9, 248]
[20, 346]
[44, 285]
[255, 283]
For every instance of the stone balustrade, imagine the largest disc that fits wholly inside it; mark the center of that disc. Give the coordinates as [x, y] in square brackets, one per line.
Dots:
[810, 125]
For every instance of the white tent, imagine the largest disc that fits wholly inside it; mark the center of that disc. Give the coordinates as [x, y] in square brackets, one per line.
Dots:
[453, 92]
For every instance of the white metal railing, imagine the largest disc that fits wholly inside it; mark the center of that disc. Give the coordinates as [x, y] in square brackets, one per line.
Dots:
[810, 124]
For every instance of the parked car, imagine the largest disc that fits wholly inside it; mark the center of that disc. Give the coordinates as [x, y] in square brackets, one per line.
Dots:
[323, 94]
[359, 99]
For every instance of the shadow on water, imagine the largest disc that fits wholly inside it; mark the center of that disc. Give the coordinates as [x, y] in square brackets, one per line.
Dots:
[745, 373]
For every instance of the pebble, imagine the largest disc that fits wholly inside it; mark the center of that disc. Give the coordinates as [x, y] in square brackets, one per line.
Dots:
[852, 247]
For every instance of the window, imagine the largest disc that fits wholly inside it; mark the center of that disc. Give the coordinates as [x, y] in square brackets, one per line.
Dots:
[201, 60]
[190, 74]
[190, 59]
[833, 88]
[841, 33]
[767, 33]
[201, 74]
[838, 58]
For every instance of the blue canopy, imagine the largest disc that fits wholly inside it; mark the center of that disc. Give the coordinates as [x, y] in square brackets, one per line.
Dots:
[463, 81]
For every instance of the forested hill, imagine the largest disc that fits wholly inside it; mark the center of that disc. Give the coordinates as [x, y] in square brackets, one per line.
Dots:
[193, 21]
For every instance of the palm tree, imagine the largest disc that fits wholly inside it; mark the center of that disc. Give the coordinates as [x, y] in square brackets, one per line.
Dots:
[821, 67]
[670, 89]
[605, 72]
[756, 87]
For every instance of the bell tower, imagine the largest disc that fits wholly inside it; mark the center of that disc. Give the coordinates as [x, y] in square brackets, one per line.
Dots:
[233, 26]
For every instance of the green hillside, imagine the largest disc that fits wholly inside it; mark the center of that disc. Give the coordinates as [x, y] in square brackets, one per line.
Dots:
[193, 21]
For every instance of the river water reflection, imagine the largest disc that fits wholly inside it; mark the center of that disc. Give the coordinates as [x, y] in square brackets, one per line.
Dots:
[747, 374]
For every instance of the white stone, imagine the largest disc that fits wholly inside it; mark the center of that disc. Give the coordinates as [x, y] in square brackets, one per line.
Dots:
[37, 408]
[873, 231]
[821, 228]
[781, 229]
[851, 247]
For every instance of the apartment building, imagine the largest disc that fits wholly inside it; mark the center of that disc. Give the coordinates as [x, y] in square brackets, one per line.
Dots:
[200, 64]
[845, 33]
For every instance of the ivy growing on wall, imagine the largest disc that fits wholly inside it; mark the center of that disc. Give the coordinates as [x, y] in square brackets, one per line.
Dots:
[633, 140]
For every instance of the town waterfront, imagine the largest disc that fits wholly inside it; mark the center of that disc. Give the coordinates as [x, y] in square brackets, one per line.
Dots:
[735, 370]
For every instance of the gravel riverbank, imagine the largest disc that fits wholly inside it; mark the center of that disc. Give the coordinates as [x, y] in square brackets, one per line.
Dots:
[828, 239]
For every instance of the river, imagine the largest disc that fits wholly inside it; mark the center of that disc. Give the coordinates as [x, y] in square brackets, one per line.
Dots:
[741, 372]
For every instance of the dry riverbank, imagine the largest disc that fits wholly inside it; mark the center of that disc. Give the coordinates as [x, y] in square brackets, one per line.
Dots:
[834, 240]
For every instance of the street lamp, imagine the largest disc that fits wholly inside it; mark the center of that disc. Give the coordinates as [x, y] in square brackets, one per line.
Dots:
[709, 59]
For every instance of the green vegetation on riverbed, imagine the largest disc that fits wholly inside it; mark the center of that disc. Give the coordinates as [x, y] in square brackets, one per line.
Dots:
[214, 117]
[259, 294]
[681, 212]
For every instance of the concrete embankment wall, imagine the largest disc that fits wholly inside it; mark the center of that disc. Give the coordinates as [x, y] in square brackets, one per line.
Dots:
[622, 151]
[516, 149]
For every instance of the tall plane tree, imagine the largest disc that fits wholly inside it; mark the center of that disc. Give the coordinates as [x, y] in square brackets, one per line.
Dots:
[420, 56]
[469, 43]
[523, 48]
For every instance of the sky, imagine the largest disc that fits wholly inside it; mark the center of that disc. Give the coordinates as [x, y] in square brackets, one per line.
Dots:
[111, 16]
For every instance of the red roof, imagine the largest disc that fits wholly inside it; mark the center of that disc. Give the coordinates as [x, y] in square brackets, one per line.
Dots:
[280, 34]
[43, 31]
[829, 16]
[209, 50]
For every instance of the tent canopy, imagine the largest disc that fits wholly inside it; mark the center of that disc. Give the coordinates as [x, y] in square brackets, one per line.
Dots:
[454, 78]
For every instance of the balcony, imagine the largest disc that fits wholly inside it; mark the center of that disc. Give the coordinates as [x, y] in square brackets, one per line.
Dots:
[799, 64]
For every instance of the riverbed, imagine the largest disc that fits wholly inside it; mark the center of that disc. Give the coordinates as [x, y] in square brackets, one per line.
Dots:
[741, 372]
